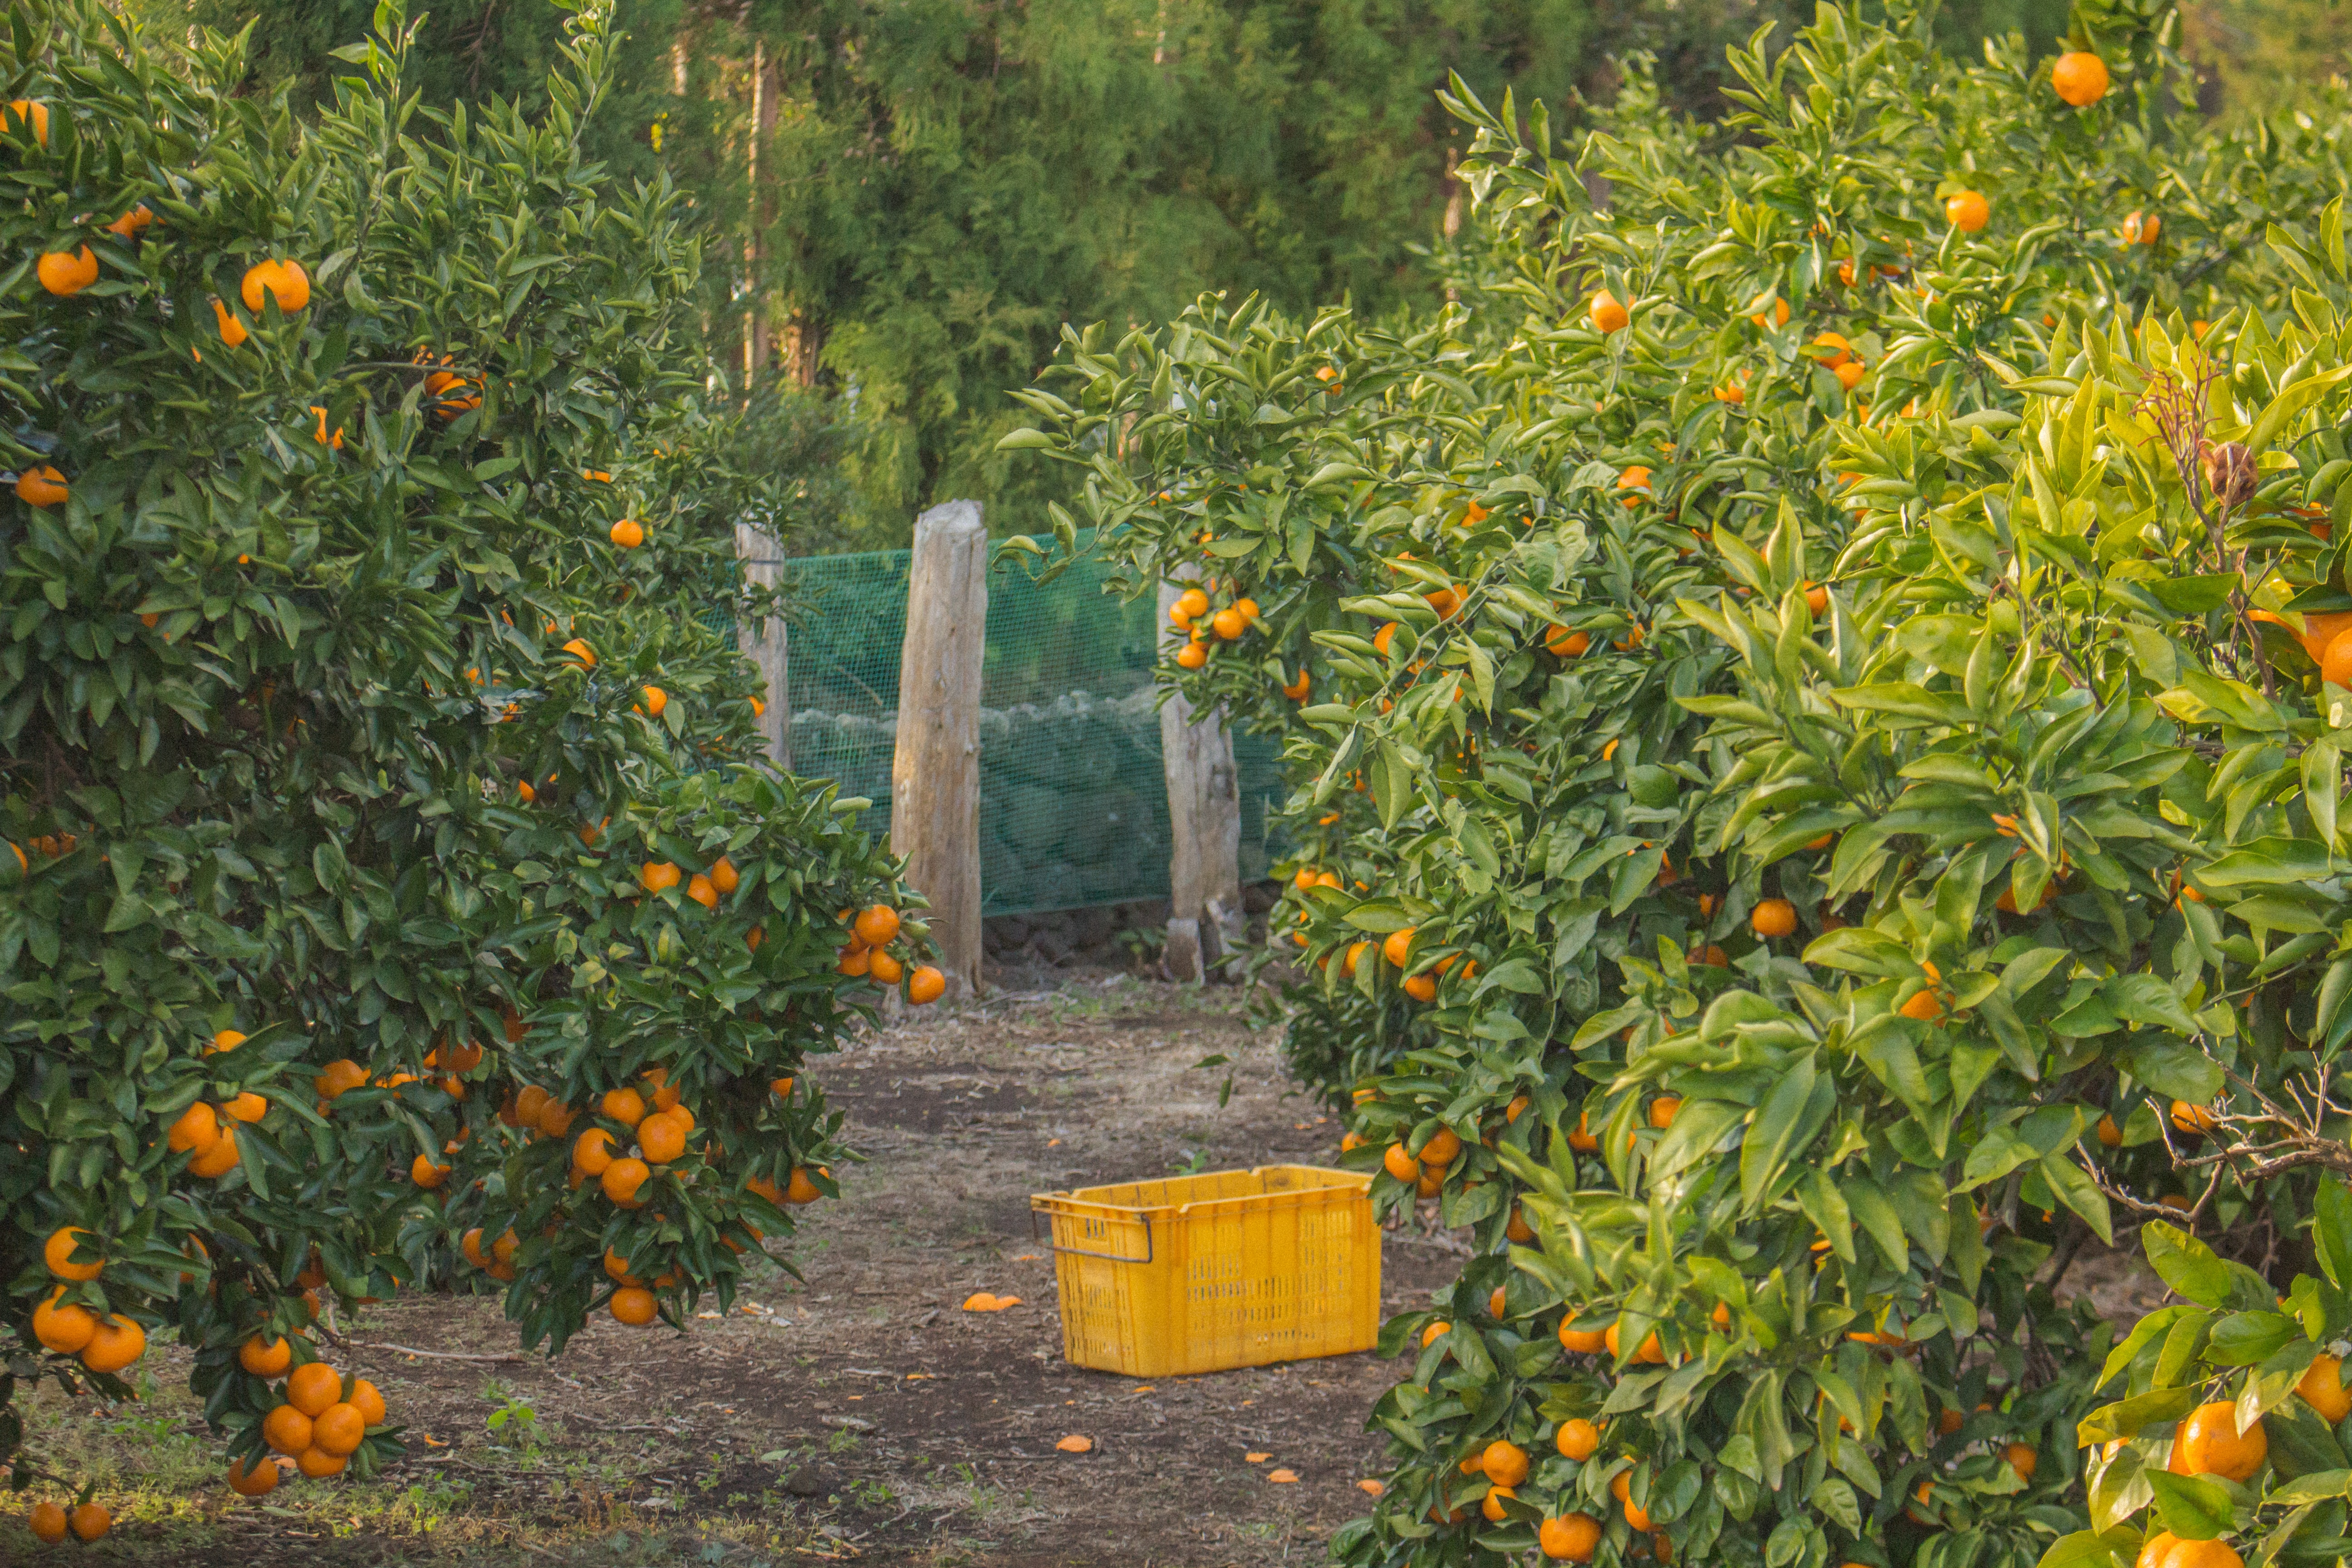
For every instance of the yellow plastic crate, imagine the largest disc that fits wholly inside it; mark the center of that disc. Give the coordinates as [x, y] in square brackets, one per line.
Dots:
[1210, 1272]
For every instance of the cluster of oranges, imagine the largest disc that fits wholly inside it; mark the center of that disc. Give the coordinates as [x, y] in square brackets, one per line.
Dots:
[1424, 1165]
[705, 887]
[107, 1344]
[866, 956]
[49, 1522]
[1193, 614]
[655, 1124]
[319, 1423]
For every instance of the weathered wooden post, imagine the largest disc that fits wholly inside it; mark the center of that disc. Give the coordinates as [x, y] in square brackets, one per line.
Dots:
[1204, 821]
[935, 770]
[764, 644]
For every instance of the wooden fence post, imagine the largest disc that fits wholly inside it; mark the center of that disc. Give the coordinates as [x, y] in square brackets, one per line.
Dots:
[764, 643]
[935, 771]
[1204, 821]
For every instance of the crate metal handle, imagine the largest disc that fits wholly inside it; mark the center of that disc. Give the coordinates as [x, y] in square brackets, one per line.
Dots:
[1143, 1219]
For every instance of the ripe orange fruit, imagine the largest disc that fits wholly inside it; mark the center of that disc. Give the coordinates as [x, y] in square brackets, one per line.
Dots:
[624, 1106]
[337, 1429]
[2110, 1135]
[1583, 1342]
[2151, 1553]
[799, 1189]
[2022, 1458]
[876, 924]
[652, 701]
[312, 1387]
[233, 331]
[227, 1041]
[1397, 946]
[723, 875]
[2142, 228]
[1967, 211]
[1662, 1110]
[621, 1179]
[285, 1429]
[47, 1521]
[2080, 77]
[59, 1250]
[585, 656]
[1581, 1138]
[1401, 1164]
[1606, 314]
[1194, 603]
[2322, 1388]
[41, 486]
[628, 533]
[592, 1152]
[925, 985]
[66, 272]
[425, 1173]
[368, 1400]
[634, 1305]
[255, 1482]
[1505, 1464]
[284, 281]
[1635, 481]
[1432, 1334]
[118, 1342]
[318, 1464]
[63, 1328]
[2336, 659]
[1492, 1504]
[555, 1118]
[1577, 1439]
[854, 961]
[700, 889]
[2191, 1118]
[661, 1138]
[1774, 917]
[264, 1358]
[1779, 316]
[884, 969]
[2208, 1443]
[1571, 1537]
[1441, 1148]
[1650, 1350]
[339, 1077]
[29, 111]
[246, 1107]
[658, 876]
[89, 1521]
[1924, 1005]
[1421, 987]
[2203, 1554]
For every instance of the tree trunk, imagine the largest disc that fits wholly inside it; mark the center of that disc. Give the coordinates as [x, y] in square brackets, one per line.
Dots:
[1204, 821]
[935, 770]
[764, 643]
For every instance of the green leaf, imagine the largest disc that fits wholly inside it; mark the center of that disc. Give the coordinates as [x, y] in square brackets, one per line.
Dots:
[2185, 1264]
[2194, 1508]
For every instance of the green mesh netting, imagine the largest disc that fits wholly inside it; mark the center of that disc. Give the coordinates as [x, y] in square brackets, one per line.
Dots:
[1073, 805]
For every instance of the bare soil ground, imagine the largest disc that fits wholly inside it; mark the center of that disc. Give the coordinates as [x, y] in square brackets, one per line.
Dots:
[857, 1414]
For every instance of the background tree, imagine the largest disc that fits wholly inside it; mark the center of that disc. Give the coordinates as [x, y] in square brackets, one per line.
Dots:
[904, 204]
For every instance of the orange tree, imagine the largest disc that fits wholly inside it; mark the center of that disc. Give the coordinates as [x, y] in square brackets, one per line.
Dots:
[389, 903]
[1693, 655]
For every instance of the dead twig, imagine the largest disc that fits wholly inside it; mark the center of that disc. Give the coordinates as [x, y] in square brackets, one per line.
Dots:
[500, 1356]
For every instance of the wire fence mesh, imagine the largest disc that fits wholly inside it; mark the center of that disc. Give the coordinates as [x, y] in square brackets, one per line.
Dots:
[1073, 804]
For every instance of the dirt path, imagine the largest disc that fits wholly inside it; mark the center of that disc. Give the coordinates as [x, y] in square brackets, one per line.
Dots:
[858, 1415]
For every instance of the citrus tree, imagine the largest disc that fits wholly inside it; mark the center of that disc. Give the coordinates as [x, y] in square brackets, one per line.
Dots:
[1807, 702]
[389, 903]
